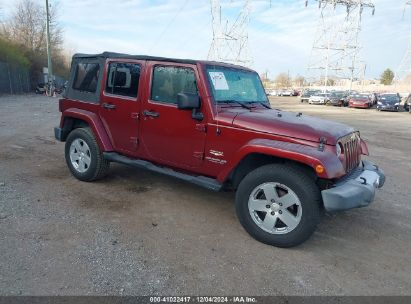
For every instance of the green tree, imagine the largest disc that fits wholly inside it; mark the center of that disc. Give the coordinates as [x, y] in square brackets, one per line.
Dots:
[387, 77]
[10, 52]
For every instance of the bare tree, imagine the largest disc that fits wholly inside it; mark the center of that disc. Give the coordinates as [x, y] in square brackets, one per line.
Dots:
[27, 27]
[299, 81]
[282, 80]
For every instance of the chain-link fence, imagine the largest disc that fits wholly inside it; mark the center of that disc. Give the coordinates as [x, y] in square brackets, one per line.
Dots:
[14, 79]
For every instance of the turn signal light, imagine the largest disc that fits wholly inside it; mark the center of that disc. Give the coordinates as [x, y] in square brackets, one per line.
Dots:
[319, 169]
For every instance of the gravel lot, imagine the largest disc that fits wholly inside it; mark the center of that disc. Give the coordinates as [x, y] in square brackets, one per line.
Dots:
[140, 233]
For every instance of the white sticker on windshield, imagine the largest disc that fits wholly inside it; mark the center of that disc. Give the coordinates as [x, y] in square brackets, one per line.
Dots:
[219, 81]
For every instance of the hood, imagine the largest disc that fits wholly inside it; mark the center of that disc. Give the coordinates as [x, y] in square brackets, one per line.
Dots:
[292, 125]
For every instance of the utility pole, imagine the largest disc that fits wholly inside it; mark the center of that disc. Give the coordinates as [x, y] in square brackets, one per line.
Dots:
[49, 63]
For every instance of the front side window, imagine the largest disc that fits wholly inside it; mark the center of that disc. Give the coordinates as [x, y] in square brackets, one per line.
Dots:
[233, 84]
[169, 81]
[86, 77]
[123, 79]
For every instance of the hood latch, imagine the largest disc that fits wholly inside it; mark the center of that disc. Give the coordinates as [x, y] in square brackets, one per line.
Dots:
[321, 146]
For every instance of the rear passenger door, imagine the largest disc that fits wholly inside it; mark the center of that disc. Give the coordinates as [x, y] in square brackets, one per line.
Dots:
[120, 104]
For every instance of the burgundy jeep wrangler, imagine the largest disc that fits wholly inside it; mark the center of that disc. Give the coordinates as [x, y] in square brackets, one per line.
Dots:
[211, 124]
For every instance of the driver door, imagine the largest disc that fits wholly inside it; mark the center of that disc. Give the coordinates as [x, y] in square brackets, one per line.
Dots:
[170, 135]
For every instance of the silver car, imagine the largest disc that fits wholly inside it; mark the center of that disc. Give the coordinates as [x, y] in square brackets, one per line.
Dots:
[321, 98]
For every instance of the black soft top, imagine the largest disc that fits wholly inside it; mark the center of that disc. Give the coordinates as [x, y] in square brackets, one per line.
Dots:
[100, 59]
[106, 55]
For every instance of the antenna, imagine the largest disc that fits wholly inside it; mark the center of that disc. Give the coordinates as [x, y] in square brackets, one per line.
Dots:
[230, 39]
[336, 47]
[403, 72]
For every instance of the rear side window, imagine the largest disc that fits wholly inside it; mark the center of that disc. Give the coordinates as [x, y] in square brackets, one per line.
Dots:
[86, 77]
[169, 81]
[123, 79]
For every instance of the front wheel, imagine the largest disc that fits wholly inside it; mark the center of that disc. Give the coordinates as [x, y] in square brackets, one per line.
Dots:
[278, 205]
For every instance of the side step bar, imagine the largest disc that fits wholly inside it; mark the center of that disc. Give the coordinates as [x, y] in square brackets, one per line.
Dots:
[202, 181]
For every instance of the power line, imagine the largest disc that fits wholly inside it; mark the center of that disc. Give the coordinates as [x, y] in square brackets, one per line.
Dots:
[168, 25]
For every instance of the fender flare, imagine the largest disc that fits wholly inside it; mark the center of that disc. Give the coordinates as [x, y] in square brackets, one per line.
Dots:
[303, 154]
[95, 124]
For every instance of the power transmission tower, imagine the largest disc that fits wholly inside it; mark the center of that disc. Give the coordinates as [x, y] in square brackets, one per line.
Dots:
[336, 47]
[404, 69]
[230, 40]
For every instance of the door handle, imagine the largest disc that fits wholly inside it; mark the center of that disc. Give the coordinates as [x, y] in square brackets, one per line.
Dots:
[108, 106]
[151, 113]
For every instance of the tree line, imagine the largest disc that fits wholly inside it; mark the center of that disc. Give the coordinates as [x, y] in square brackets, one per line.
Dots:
[283, 80]
[23, 40]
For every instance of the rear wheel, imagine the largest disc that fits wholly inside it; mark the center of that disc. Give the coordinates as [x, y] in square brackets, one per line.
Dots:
[84, 157]
[278, 205]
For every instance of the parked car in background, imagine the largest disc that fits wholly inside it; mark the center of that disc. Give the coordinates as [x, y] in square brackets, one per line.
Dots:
[305, 95]
[286, 93]
[407, 103]
[359, 101]
[389, 102]
[41, 88]
[337, 98]
[272, 93]
[320, 98]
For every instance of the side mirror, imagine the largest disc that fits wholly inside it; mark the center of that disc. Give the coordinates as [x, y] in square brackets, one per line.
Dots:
[188, 101]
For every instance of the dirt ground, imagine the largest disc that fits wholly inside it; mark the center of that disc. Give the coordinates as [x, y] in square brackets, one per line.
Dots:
[140, 233]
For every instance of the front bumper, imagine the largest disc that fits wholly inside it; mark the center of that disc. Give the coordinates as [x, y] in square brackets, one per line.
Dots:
[359, 105]
[356, 190]
[387, 108]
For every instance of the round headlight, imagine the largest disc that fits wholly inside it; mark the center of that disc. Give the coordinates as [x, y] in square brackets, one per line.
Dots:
[338, 149]
[379, 102]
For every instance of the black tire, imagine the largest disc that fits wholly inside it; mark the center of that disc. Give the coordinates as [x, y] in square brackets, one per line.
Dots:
[98, 166]
[301, 183]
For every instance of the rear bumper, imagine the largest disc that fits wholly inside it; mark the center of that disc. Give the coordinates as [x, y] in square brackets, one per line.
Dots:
[356, 190]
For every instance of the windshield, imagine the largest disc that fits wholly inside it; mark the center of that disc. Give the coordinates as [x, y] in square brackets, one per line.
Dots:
[235, 85]
[337, 94]
[389, 98]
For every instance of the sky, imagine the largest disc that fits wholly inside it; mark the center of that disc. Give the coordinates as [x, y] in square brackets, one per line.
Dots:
[281, 32]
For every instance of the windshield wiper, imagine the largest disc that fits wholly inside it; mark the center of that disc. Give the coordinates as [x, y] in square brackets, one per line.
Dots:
[261, 103]
[235, 101]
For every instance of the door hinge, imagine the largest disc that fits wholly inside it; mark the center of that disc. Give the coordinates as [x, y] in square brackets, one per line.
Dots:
[201, 128]
[199, 155]
[134, 141]
[135, 115]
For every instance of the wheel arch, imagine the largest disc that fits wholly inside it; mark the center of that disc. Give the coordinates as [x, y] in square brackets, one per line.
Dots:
[260, 152]
[76, 118]
[255, 160]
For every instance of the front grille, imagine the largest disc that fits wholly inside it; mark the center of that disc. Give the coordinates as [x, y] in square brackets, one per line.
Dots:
[352, 151]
